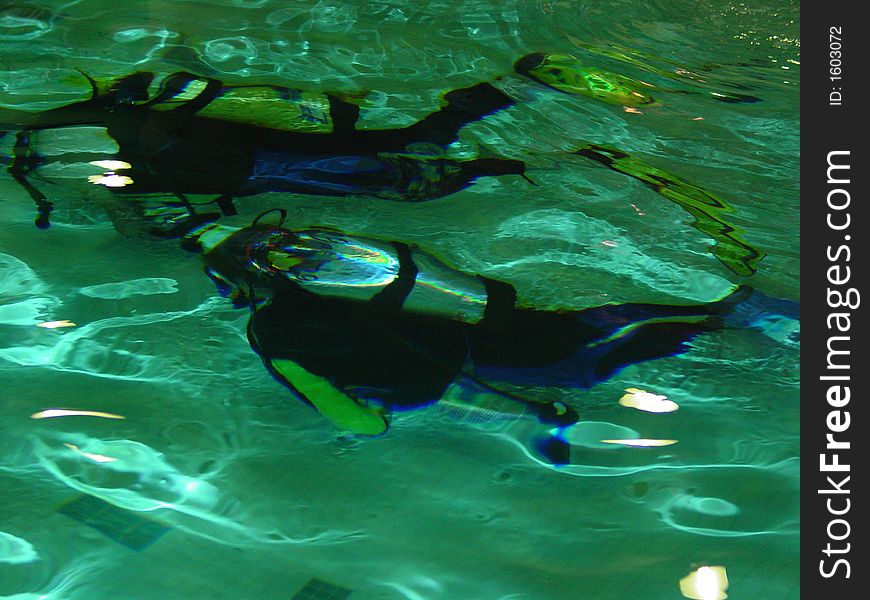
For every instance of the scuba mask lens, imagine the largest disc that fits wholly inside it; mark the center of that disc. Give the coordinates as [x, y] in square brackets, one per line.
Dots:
[283, 261]
[298, 257]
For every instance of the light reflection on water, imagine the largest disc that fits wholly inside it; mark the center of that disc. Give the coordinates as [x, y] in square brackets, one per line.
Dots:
[444, 506]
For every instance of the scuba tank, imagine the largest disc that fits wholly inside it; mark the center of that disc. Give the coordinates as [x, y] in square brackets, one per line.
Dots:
[266, 259]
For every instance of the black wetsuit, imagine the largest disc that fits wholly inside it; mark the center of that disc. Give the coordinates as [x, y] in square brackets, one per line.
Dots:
[197, 135]
[378, 351]
[171, 148]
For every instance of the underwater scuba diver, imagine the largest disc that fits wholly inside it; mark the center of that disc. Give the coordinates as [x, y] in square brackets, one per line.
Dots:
[358, 328]
[199, 136]
[361, 328]
[145, 139]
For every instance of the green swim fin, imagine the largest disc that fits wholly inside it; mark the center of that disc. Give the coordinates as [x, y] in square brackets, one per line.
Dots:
[735, 253]
[565, 73]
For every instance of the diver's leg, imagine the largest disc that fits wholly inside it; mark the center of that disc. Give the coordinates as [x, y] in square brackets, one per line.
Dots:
[646, 342]
[464, 106]
[583, 348]
[745, 307]
[615, 316]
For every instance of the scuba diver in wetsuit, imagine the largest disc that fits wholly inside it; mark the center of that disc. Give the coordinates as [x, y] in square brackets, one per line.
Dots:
[360, 328]
[197, 136]
[189, 134]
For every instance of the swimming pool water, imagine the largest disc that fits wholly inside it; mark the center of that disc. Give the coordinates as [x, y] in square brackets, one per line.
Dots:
[216, 483]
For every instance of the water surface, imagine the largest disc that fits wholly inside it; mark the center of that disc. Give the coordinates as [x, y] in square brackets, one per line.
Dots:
[250, 494]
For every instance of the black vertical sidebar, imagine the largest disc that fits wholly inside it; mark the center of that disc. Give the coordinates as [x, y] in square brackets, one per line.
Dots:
[835, 426]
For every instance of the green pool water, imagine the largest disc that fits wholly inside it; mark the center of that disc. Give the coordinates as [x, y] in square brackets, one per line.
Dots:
[216, 483]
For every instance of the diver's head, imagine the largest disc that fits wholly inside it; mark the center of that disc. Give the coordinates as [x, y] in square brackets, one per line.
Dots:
[266, 257]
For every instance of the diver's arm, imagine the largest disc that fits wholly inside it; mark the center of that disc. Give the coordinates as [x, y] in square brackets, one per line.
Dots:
[344, 115]
[345, 412]
[393, 296]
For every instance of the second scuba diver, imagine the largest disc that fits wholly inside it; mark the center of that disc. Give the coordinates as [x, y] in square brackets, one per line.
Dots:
[145, 139]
